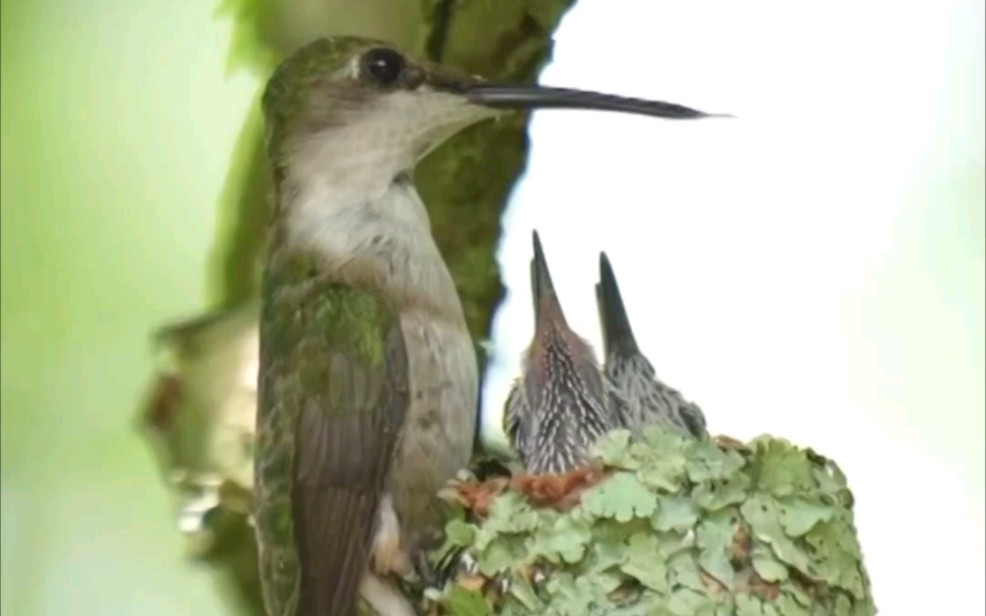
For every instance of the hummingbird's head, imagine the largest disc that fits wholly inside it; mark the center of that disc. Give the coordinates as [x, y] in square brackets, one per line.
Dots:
[363, 99]
[558, 357]
[365, 103]
[618, 338]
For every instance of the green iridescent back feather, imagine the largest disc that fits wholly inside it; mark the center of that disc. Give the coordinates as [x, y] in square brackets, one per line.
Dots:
[333, 392]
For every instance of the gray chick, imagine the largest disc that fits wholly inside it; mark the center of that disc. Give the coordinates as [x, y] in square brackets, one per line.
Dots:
[649, 401]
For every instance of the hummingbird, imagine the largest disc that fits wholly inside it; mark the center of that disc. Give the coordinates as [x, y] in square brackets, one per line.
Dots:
[648, 399]
[368, 377]
[563, 403]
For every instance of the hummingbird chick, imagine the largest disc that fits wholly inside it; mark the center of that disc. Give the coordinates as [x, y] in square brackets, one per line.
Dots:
[649, 401]
[368, 375]
[562, 403]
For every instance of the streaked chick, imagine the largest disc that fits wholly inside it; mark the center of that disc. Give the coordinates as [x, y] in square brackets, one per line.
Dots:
[561, 404]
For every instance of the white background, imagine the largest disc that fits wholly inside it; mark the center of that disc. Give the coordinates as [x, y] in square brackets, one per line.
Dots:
[813, 268]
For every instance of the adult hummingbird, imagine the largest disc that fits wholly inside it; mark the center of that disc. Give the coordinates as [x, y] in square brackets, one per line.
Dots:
[648, 399]
[562, 403]
[368, 379]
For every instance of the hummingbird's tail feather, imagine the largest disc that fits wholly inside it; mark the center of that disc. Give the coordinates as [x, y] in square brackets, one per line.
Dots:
[334, 551]
[617, 333]
[337, 496]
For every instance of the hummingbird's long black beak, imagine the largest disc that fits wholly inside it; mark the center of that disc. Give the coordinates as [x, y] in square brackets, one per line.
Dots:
[499, 96]
[546, 304]
[617, 334]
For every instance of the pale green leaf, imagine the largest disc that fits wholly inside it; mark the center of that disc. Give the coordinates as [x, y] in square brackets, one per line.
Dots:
[767, 566]
[674, 512]
[613, 448]
[762, 514]
[511, 513]
[787, 606]
[717, 494]
[524, 593]
[836, 556]
[645, 563]
[687, 602]
[707, 462]
[783, 469]
[500, 555]
[458, 532]
[748, 605]
[798, 515]
[664, 441]
[462, 602]
[664, 473]
[621, 497]
[715, 538]
[685, 572]
[560, 538]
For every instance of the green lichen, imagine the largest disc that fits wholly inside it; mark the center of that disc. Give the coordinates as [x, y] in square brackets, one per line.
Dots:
[679, 527]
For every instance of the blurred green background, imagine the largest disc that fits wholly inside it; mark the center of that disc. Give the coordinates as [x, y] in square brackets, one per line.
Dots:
[117, 125]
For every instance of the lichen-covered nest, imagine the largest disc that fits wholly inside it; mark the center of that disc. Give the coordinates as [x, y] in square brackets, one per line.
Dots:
[666, 526]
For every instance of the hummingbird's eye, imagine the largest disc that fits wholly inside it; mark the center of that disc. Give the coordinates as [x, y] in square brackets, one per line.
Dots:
[383, 65]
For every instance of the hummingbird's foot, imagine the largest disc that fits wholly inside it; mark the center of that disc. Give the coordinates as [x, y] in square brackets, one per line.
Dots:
[427, 580]
[465, 574]
[434, 575]
[559, 491]
[455, 562]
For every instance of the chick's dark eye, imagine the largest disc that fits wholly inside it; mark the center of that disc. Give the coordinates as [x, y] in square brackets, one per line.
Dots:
[384, 65]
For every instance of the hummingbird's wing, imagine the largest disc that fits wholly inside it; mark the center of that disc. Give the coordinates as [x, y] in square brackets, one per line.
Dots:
[334, 393]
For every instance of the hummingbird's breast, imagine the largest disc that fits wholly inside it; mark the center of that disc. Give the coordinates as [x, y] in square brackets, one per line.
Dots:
[383, 242]
[441, 421]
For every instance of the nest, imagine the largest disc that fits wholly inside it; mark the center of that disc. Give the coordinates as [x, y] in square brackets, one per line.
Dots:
[666, 525]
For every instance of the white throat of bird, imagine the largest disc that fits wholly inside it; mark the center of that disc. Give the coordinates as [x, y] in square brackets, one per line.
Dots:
[349, 198]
